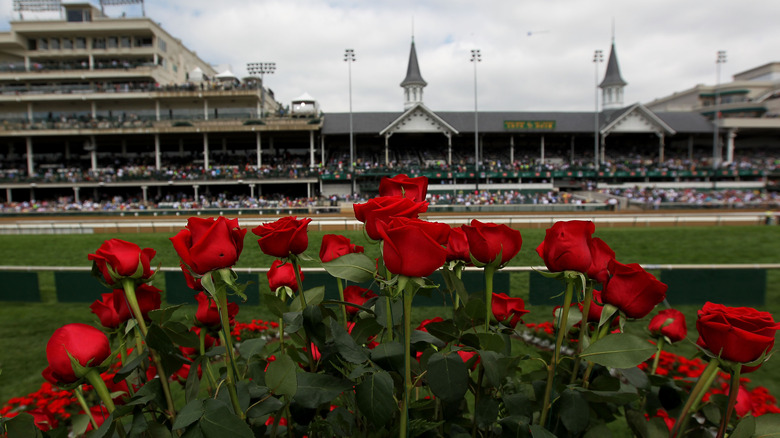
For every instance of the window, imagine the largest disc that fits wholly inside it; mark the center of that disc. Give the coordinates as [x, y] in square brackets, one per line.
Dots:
[32, 44]
[113, 42]
[125, 42]
[162, 45]
[143, 42]
[54, 43]
[81, 43]
[99, 43]
[43, 44]
[67, 43]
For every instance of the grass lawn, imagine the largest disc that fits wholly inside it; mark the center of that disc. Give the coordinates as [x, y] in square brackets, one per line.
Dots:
[25, 327]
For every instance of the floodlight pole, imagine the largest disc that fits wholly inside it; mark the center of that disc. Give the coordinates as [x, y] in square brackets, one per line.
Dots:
[716, 152]
[349, 58]
[598, 56]
[476, 56]
[261, 68]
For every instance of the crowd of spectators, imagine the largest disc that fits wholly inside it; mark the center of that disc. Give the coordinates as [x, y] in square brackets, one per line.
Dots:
[654, 197]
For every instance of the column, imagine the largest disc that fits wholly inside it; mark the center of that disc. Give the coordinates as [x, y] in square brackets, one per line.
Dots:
[93, 108]
[195, 188]
[311, 149]
[660, 147]
[732, 134]
[181, 147]
[603, 147]
[76, 196]
[144, 190]
[8, 197]
[205, 109]
[157, 110]
[322, 150]
[387, 150]
[157, 158]
[449, 149]
[30, 112]
[30, 163]
[258, 142]
[512, 149]
[93, 152]
[571, 158]
[542, 150]
[205, 151]
[252, 190]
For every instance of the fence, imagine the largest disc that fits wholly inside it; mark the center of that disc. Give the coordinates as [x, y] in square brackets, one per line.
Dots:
[738, 285]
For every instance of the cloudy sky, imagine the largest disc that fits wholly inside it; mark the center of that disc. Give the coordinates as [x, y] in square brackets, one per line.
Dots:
[536, 54]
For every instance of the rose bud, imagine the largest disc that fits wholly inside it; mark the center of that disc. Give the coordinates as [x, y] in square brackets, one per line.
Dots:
[86, 344]
[148, 297]
[356, 295]
[286, 236]
[508, 310]
[632, 289]
[282, 274]
[207, 314]
[402, 185]
[209, 244]
[488, 241]
[117, 259]
[378, 210]
[335, 245]
[105, 311]
[669, 323]
[566, 246]
[737, 334]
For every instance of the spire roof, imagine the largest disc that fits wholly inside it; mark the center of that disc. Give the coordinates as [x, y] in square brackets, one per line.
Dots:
[612, 76]
[413, 76]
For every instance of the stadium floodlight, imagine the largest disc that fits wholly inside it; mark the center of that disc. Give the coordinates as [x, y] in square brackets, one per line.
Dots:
[598, 57]
[476, 56]
[349, 58]
[261, 68]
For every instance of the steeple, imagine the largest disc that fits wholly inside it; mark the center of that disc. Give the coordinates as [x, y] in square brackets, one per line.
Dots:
[613, 84]
[413, 84]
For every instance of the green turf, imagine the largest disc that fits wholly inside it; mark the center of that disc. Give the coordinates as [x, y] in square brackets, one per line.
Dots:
[25, 328]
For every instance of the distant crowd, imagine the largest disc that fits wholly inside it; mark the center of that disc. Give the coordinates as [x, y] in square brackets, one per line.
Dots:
[728, 198]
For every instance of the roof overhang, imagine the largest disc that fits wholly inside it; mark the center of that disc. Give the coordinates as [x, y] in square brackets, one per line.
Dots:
[419, 119]
[637, 118]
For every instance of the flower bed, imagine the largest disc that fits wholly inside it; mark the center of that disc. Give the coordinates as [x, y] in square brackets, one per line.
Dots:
[357, 367]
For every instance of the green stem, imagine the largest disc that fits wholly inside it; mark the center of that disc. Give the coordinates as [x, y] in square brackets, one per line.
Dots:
[94, 379]
[389, 317]
[132, 302]
[489, 271]
[83, 403]
[733, 392]
[477, 396]
[458, 270]
[657, 358]
[557, 352]
[281, 335]
[407, 298]
[206, 363]
[602, 331]
[296, 269]
[343, 307]
[123, 358]
[695, 395]
[584, 329]
[227, 341]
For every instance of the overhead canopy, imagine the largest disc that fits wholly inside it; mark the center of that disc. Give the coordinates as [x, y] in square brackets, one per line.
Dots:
[305, 97]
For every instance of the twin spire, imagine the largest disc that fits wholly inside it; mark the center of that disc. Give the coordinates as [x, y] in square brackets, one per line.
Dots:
[413, 84]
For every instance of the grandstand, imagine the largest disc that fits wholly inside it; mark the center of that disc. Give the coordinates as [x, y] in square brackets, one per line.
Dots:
[99, 113]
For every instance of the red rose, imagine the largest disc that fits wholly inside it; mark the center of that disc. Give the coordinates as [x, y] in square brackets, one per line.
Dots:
[566, 246]
[425, 322]
[335, 246]
[601, 254]
[88, 345]
[669, 323]
[209, 244]
[356, 295]
[192, 282]
[458, 246]
[595, 309]
[282, 274]
[488, 240]
[105, 311]
[286, 236]
[508, 310]
[207, 314]
[467, 355]
[632, 289]
[148, 297]
[208, 342]
[118, 259]
[44, 419]
[383, 208]
[737, 334]
[402, 185]
[411, 247]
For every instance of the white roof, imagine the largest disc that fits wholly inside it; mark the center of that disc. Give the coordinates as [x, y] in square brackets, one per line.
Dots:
[227, 74]
[304, 97]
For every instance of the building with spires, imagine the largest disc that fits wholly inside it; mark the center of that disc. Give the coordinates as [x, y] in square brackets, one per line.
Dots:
[94, 107]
